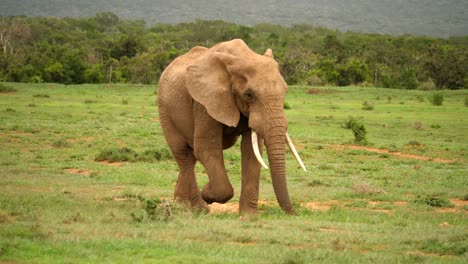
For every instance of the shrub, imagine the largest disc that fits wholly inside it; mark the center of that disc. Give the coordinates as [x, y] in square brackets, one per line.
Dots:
[366, 105]
[418, 125]
[116, 155]
[433, 201]
[428, 85]
[127, 154]
[61, 143]
[6, 88]
[154, 155]
[358, 129]
[90, 101]
[436, 99]
[286, 106]
[41, 96]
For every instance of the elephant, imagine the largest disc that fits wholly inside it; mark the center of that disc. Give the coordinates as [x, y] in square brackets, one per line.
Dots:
[207, 98]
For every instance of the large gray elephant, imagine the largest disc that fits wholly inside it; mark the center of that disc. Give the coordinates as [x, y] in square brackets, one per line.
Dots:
[207, 98]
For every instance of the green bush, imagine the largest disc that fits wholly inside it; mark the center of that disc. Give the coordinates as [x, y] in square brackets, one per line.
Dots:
[359, 130]
[117, 155]
[61, 143]
[154, 155]
[366, 105]
[127, 154]
[41, 96]
[433, 201]
[437, 99]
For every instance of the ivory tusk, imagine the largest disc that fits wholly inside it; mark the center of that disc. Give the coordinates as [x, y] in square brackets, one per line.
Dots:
[257, 150]
[294, 152]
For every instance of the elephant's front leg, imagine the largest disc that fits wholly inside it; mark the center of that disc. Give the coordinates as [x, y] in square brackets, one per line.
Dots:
[208, 148]
[250, 176]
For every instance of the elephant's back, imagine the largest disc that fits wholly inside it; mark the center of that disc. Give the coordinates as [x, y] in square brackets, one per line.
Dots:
[173, 76]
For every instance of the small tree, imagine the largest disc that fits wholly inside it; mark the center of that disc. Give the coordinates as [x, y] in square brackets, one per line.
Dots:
[359, 130]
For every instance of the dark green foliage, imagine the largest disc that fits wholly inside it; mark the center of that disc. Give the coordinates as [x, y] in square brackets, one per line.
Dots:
[359, 130]
[6, 88]
[433, 201]
[127, 154]
[155, 155]
[286, 106]
[117, 155]
[41, 96]
[61, 143]
[108, 49]
[90, 101]
[436, 99]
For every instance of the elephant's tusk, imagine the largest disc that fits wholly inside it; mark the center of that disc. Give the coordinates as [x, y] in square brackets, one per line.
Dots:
[294, 151]
[257, 151]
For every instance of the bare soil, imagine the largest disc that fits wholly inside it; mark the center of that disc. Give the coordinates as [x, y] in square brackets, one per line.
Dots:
[78, 171]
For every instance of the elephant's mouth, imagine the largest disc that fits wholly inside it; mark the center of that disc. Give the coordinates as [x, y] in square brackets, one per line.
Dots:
[290, 145]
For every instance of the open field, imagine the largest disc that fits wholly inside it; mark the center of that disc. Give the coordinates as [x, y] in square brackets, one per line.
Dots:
[403, 197]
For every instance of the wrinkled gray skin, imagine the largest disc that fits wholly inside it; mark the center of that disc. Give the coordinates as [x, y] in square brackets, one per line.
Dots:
[207, 98]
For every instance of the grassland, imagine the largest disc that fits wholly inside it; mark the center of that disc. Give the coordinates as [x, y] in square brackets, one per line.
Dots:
[400, 198]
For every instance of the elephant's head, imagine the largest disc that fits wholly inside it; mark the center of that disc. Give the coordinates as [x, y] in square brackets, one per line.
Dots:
[230, 80]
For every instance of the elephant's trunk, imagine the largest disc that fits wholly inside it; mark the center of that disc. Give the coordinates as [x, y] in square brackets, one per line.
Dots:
[275, 145]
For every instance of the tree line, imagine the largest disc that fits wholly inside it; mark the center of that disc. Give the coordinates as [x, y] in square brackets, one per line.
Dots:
[107, 49]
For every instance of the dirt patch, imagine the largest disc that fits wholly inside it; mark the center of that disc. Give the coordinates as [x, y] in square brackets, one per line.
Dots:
[458, 207]
[420, 253]
[396, 154]
[458, 202]
[78, 171]
[317, 206]
[15, 132]
[330, 229]
[322, 91]
[113, 164]
[217, 208]
[87, 139]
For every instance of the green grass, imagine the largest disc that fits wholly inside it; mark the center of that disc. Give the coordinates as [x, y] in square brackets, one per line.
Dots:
[58, 204]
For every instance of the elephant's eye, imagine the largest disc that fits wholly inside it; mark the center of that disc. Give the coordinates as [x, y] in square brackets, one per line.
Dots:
[249, 95]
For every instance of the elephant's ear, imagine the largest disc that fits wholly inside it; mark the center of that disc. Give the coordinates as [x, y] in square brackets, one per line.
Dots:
[208, 81]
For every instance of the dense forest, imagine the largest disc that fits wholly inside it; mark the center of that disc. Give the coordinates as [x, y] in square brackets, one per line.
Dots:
[436, 18]
[105, 48]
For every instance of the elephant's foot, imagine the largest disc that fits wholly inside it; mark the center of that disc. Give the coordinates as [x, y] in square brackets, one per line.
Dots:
[248, 207]
[217, 195]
